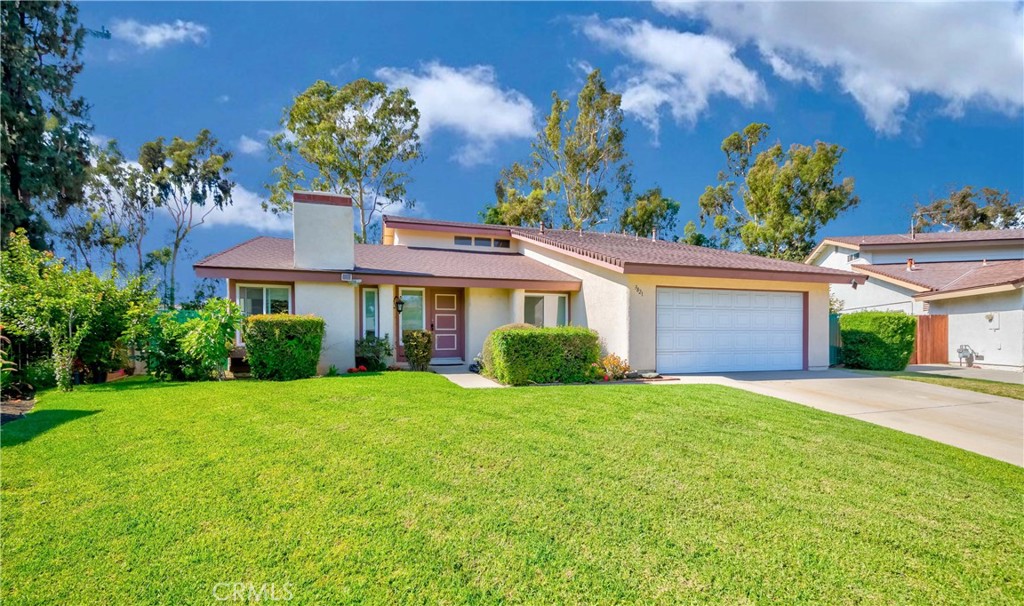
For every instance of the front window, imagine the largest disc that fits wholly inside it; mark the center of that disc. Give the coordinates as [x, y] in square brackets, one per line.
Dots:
[546, 310]
[264, 300]
[414, 313]
[370, 313]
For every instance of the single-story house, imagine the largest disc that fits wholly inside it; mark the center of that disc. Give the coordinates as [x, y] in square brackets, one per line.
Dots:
[967, 288]
[663, 306]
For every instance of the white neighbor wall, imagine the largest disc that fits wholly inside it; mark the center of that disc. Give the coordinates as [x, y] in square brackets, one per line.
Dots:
[1000, 340]
[873, 295]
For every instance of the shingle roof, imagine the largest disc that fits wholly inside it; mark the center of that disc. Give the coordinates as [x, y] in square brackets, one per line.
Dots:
[986, 235]
[277, 254]
[953, 275]
[624, 251]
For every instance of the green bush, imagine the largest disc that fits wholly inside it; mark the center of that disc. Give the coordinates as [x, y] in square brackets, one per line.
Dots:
[283, 347]
[39, 374]
[487, 355]
[373, 352]
[210, 336]
[877, 340]
[419, 345]
[521, 356]
[164, 352]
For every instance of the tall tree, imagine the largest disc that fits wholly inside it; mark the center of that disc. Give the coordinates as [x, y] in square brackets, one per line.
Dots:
[774, 203]
[579, 160]
[651, 213]
[190, 181]
[520, 199]
[357, 140]
[967, 209]
[44, 140]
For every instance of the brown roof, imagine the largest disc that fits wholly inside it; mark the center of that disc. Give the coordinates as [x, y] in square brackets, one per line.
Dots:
[987, 235]
[277, 254]
[642, 255]
[952, 276]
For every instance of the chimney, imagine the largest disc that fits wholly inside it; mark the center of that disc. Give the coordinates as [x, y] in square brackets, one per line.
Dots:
[323, 230]
[910, 265]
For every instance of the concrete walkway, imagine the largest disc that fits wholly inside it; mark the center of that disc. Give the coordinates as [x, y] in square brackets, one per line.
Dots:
[461, 376]
[988, 425]
[987, 374]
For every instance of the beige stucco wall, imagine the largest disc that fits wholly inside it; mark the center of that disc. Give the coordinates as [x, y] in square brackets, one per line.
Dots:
[323, 236]
[336, 304]
[486, 309]
[1000, 340]
[644, 312]
[601, 304]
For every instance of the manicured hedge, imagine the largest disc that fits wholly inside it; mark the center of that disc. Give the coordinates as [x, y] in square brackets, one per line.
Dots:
[521, 356]
[877, 340]
[282, 347]
[419, 347]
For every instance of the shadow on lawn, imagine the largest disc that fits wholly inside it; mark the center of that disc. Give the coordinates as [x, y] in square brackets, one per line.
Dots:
[36, 423]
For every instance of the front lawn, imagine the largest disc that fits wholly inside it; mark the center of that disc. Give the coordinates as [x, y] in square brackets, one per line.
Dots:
[402, 488]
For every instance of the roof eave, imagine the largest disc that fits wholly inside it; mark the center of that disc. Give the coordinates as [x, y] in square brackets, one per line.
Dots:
[837, 277]
[886, 278]
[821, 248]
[970, 292]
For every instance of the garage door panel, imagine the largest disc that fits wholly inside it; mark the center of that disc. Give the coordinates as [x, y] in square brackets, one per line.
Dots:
[707, 330]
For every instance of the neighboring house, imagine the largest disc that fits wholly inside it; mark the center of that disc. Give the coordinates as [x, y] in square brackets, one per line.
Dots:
[664, 306]
[975, 279]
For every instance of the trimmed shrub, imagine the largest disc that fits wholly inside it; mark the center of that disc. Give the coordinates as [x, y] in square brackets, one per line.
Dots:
[487, 355]
[877, 340]
[418, 346]
[522, 356]
[282, 347]
[373, 352]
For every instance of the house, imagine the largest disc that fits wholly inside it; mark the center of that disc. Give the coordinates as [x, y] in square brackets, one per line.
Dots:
[972, 281]
[663, 306]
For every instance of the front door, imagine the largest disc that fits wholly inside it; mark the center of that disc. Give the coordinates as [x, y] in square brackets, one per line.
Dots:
[444, 310]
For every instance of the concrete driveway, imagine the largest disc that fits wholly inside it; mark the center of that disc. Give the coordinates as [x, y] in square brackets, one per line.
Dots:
[988, 425]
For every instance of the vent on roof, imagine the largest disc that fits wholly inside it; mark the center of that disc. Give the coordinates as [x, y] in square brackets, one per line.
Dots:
[346, 277]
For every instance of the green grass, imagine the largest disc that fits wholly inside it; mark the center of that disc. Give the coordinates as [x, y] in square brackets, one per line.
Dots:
[992, 388]
[402, 488]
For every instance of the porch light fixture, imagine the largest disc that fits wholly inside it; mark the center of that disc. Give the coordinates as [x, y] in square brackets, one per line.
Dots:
[399, 304]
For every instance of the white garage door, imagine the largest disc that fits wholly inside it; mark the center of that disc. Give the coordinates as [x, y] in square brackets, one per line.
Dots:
[703, 330]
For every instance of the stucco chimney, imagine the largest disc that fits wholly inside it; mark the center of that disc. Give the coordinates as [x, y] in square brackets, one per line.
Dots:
[322, 224]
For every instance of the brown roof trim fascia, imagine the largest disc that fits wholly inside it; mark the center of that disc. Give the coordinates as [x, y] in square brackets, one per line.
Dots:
[770, 275]
[821, 247]
[971, 292]
[374, 279]
[568, 252]
[886, 278]
[452, 229]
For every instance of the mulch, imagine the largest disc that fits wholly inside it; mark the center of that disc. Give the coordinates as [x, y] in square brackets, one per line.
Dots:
[11, 410]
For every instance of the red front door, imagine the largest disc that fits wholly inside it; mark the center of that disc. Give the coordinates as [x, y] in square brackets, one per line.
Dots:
[445, 319]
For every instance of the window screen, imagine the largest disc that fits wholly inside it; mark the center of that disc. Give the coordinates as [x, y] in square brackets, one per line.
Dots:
[534, 312]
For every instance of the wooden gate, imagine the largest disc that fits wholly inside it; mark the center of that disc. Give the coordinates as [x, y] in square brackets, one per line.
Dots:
[932, 343]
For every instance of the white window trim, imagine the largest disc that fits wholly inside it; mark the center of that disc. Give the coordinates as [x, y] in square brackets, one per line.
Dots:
[423, 295]
[240, 286]
[376, 319]
[546, 296]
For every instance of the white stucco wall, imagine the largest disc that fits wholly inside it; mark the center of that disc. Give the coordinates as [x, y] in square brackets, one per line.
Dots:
[1000, 340]
[323, 236]
[433, 239]
[875, 294]
[926, 254]
[486, 309]
[336, 304]
[601, 304]
[644, 313]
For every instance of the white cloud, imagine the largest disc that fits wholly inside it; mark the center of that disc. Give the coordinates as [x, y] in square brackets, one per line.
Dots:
[248, 145]
[223, 98]
[246, 210]
[884, 54]
[468, 101]
[678, 70]
[149, 36]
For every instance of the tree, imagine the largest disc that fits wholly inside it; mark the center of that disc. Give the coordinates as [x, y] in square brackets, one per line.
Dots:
[652, 213]
[967, 209]
[520, 199]
[44, 140]
[357, 140]
[695, 237]
[43, 297]
[190, 181]
[774, 203]
[578, 162]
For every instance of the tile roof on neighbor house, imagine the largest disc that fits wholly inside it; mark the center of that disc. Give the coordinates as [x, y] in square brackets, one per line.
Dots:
[267, 253]
[950, 276]
[986, 235]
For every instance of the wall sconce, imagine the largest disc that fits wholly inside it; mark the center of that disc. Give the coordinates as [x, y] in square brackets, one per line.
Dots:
[399, 304]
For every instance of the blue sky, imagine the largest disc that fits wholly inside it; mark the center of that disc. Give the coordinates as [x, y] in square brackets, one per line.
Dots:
[922, 96]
